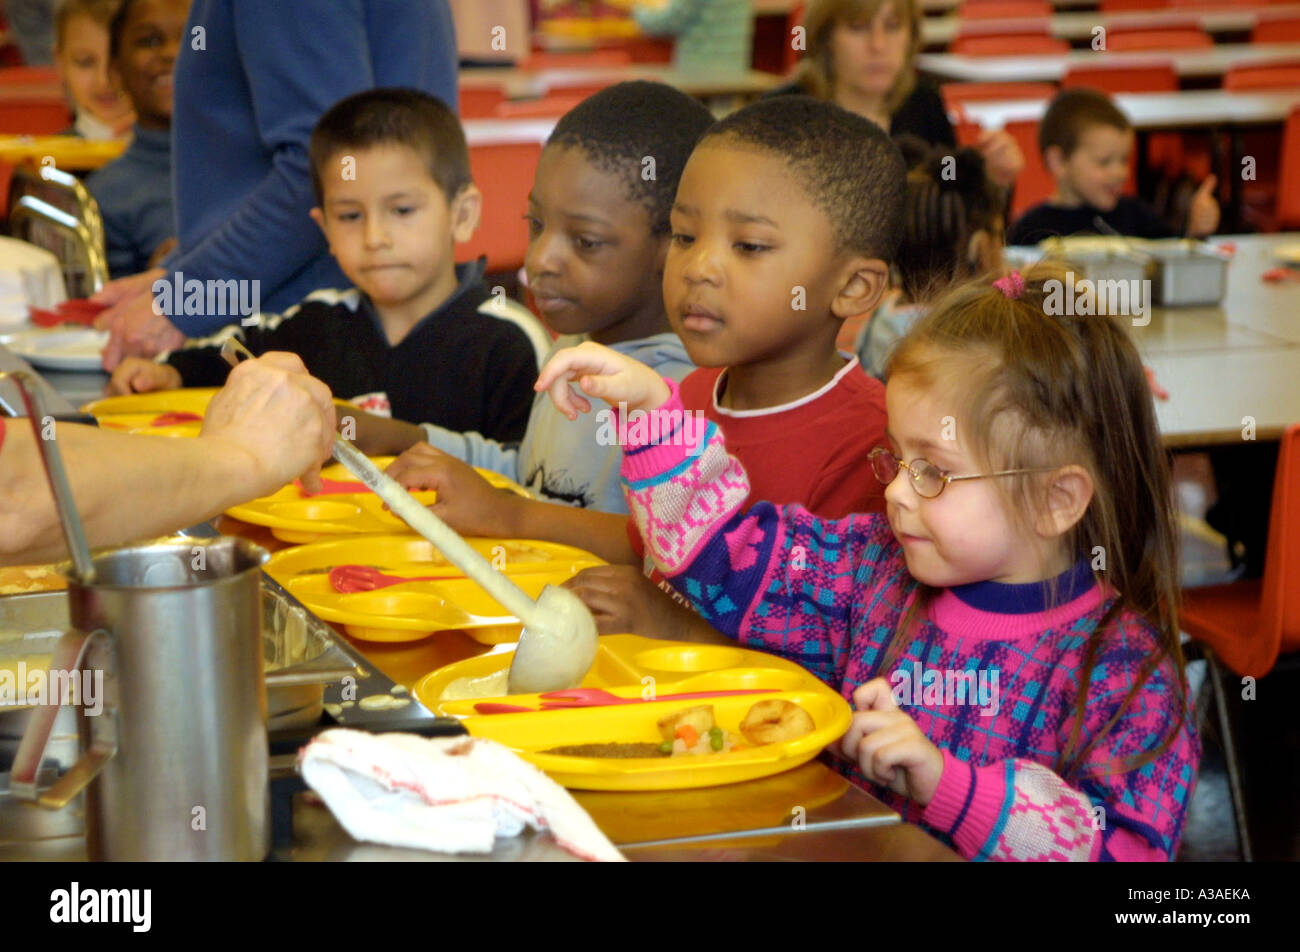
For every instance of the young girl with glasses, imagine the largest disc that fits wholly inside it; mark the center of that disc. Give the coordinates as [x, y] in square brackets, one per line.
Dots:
[1007, 631]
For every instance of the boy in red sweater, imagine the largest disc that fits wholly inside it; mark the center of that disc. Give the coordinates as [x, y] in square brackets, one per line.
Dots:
[784, 225]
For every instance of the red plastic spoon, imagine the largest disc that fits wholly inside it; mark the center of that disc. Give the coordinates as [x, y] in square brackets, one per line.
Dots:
[348, 579]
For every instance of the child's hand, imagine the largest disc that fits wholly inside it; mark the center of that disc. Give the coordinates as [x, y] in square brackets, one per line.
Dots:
[888, 746]
[1203, 213]
[603, 373]
[1002, 156]
[623, 600]
[466, 501]
[137, 375]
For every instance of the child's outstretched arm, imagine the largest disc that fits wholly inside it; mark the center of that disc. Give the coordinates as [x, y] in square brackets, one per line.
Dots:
[777, 577]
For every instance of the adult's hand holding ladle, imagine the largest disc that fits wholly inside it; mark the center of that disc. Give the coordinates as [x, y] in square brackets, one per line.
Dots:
[557, 646]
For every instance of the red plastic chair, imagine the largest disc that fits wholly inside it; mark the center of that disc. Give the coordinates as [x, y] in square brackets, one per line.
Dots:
[34, 115]
[504, 174]
[1025, 44]
[480, 102]
[1288, 192]
[1276, 31]
[1035, 184]
[1282, 75]
[956, 93]
[1123, 79]
[1120, 40]
[1248, 623]
[29, 76]
[1005, 10]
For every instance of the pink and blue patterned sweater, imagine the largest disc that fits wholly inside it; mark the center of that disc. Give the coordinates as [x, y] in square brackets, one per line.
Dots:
[994, 691]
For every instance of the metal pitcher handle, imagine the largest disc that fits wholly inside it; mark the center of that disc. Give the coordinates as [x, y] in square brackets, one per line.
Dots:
[69, 654]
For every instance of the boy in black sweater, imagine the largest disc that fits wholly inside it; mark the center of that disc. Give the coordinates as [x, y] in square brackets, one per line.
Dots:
[1086, 144]
[419, 337]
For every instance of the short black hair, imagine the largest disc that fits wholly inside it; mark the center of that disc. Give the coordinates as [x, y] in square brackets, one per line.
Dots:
[116, 26]
[393, 116]
[1070, 115]
[621, 126]
[846, 164]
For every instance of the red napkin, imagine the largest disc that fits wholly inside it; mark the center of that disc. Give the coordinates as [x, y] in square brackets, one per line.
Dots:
[73, 311]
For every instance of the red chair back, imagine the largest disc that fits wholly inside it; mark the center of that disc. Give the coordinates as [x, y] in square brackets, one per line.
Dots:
[1281, 595]
[1122, 79]
[29, 76]
[1119, 40]
[1284, 75]
[480, 102]
[1034, 184]
[504, 174]
[34, 115]
[955, 93]
[1005, 10]
[1276, 31]
[1288, 188]
[1025, 44]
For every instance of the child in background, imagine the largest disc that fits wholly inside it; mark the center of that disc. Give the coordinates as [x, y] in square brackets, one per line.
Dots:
[952, 231]
[1008, 630]
[598, 234]
[100, 108]
[783, 227]
[134, 192]
[1086, 144]
[419, 336]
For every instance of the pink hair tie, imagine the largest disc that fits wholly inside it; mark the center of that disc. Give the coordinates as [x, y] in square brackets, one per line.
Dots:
[1012, 286]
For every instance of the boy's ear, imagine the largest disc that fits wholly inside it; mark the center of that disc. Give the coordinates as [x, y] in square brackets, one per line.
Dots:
[661, 254]
[1068, 496]
[318, 217]
[860, 290]
[1054, 159]
[466, 210]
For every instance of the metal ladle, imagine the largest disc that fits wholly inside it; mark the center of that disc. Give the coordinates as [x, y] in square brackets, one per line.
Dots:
[557, 645]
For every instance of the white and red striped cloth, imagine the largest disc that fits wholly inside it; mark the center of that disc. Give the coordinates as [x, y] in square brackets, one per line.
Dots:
[445, 794]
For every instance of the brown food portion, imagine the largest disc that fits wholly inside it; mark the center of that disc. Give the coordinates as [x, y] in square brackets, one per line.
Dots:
[616, 751]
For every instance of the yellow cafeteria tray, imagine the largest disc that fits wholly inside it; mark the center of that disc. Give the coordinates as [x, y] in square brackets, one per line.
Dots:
[634, 667]
[294, 517]
[410, 611]
[186, 400]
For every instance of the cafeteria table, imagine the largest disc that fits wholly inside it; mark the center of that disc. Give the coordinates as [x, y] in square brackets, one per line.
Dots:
[1230, 361]
[518, 83]
[1210, 62]
[1078, 26]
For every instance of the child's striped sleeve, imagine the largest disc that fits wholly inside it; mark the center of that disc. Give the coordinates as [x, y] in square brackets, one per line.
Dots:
[775, 577]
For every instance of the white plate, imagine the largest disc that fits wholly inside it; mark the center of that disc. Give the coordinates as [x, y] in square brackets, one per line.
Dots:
[1290, 253]
[59, 348]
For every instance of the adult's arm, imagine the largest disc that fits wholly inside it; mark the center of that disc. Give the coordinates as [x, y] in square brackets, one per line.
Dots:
[270, 423]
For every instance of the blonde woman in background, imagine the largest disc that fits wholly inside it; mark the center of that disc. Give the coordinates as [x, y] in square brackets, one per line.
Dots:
[860, 55]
